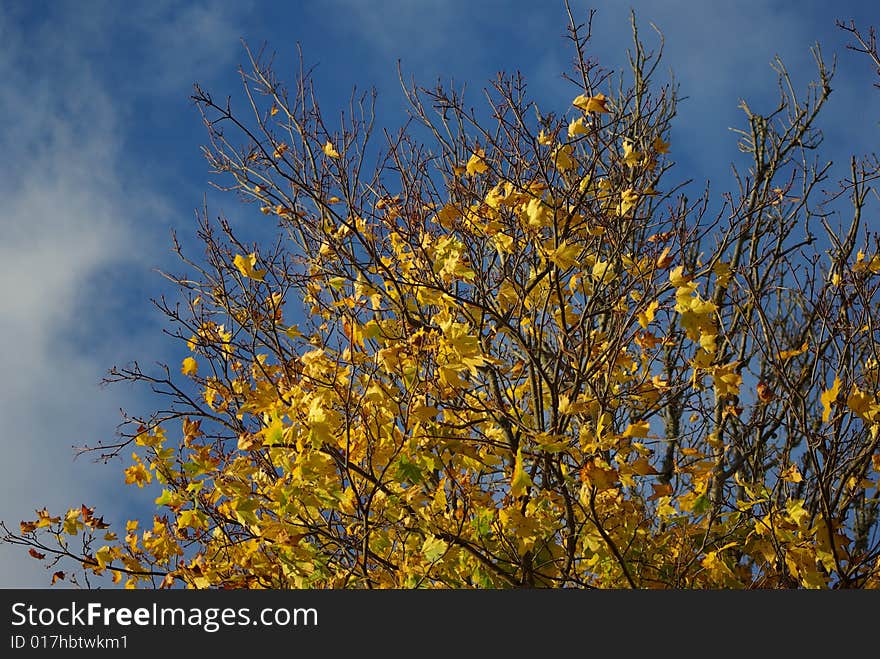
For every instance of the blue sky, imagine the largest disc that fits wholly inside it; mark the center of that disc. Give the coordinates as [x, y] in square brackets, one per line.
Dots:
[101, 150]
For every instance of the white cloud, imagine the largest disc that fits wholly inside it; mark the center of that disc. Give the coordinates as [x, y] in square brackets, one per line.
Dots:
[185, 41]
[78, 215]
[62, 220]
[77, 230]
[718, 52]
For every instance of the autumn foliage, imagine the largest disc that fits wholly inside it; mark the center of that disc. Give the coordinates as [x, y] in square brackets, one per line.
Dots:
[503, 348]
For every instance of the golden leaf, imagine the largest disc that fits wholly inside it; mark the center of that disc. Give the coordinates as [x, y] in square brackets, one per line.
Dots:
[520, 480]
[788, 354]
[827, 399]
[189, 366]
[791, 474]
[245, 265]
[597, 103]
[476, 164]
[577, 127]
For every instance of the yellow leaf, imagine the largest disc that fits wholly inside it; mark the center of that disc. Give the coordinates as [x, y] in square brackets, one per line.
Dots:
[787, 354]
[191, 518]
[577, 127]
[677, 277]
[791, 474]
[723, 273]
[698, 305]
[562, 157]
[201, 582]
[273, 434]
[660, 146]
[104, 556]
[827, 399]
[274, 110]
[598, 474]
[708, 342]
[520, 480]
[565, 256]
[330, 151]
[628, 199]
[647, 316]
[433, 548]
[137, 473]
[603, 271]
[72, 525]
[796, 511]
[503, 243]
[597, 103]
[507, 295]
[476, 164]
[245, 265]
[189, 366]
[643, 467]
[637, 429]
[538, 213]
[727, 381]
[863, 404]
[664, 260]
[717, 566]
[630, 156]
[425, 412]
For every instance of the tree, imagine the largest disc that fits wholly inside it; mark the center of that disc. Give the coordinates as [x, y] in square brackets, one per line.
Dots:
[523, 357]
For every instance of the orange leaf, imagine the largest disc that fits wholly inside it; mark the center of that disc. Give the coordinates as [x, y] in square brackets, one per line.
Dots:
[765, 393]
[596, 474]
[643, 467]
[664, 260]
[660, 490]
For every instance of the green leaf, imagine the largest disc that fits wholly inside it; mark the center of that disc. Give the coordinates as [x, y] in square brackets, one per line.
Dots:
[166, 498]
[701, 504]
[482, 523]
[433, 548]
[408, 471]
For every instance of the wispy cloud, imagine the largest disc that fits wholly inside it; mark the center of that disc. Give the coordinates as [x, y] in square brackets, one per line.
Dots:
[88, 191]
[719, 53]
[78, 238]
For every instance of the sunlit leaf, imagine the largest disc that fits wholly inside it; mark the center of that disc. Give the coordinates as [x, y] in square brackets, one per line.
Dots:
[827, 399]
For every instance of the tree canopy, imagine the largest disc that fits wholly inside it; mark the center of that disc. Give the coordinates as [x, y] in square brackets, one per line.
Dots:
[504, 348]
